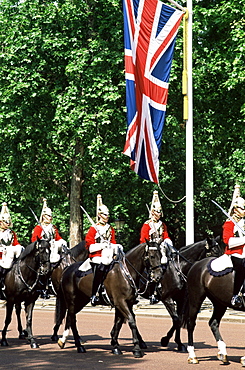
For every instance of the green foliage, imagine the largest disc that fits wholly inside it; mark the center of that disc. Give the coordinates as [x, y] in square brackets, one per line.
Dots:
[62, 83]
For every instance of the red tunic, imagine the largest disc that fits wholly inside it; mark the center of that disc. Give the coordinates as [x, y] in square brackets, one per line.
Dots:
[145, 232]
[228, 232]
[90, 239]
[38, 233]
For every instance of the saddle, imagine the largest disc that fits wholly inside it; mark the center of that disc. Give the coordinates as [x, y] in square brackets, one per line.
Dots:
[220, 266]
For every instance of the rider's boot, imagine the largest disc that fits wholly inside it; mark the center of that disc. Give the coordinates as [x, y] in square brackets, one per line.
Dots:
[153, 288]
[44, 290]
[236, 300]
[153, 293]
[3, 273]
[97, 281]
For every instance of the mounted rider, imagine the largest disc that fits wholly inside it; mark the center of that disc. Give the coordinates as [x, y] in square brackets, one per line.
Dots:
[102, 246]
[10, 248]
[46, 230]
[234, 239]
[156, 230]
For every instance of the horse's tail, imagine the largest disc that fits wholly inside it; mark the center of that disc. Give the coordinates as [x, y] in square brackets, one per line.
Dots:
[60, 307]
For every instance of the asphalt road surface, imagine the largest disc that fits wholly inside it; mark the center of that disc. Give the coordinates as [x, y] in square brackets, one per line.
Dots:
[95, 329]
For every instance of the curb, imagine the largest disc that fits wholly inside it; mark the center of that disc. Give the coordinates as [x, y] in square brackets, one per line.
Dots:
[143, 308]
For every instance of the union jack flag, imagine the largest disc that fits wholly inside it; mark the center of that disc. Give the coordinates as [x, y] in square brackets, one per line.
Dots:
[150, 30]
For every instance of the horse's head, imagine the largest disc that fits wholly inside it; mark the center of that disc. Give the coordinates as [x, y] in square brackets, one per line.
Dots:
[152, 261]
[42, 255]
[214, 247]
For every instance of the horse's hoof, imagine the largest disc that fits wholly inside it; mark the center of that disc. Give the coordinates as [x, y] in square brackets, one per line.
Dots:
[4, 343]
[116, 351]
[164, 342]
[61, 344]
[23, 334]
[55, 338]
[143, 345]
[138, 354]
[81, 349]
[34, 345]
[182, 348]
[193, 360]
[223, 358]
[242, 361]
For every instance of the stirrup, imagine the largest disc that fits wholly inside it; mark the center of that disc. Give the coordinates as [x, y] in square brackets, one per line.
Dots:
[44, 294]
[153, 299]
[236, 301]
[94, 300]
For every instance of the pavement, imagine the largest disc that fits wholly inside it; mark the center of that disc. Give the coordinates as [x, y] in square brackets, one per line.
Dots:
[143, 308]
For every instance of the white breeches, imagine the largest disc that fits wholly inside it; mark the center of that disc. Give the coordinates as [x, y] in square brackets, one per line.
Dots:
[164, 258]
[9, 253]
[56, 249]
[107, 253]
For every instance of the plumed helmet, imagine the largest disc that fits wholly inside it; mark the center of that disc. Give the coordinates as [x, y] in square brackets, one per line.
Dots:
[5, 215]
[155, 204]
[101, 208]
[236, 194]
[239, 202]
[45, 210]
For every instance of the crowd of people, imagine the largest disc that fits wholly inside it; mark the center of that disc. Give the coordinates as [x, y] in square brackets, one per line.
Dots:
[103, 248]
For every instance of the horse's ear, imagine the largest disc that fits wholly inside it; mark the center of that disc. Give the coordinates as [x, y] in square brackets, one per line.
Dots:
[147, 245]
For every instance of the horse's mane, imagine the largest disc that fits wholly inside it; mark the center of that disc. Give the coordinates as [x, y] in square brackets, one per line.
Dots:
[78, 249]
[29, 249]
[128, 253]
[187, 248]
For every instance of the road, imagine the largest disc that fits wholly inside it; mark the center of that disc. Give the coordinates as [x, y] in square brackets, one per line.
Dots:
[94, 329]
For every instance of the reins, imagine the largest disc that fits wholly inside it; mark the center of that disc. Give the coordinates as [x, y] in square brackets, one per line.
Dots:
[20, 275]
[29, 287]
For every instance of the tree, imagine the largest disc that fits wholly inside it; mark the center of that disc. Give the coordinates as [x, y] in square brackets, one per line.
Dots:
[63, 122]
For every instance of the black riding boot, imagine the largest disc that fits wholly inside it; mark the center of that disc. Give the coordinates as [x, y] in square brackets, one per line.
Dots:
[44, 287]
[239, 269]
[3, 273]
[99, 276]
[153, 296]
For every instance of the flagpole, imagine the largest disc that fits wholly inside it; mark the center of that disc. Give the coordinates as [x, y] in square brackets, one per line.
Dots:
[188, 103]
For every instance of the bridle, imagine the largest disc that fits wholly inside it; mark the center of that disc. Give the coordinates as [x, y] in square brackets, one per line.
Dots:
[149, 268]
[39, 272]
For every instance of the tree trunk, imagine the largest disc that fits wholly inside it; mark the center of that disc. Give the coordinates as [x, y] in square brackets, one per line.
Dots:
[76, 223]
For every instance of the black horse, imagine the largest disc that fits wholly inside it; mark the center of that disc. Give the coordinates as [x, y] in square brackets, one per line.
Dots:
[121, 292]
[21, 285]
[173, 283]
[219, 289]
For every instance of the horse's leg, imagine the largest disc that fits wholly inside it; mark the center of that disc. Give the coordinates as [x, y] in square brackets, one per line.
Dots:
[132, 324]
[181, 307]
[60, 308]
[118, 321]
[71, 324]
[126, 310]
[170, 306]
[142, 343]
[214, 322]
[62, 340]
[29, 311]
[9, 311]
[78, 344]
[195, 302]
[22, 333]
